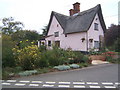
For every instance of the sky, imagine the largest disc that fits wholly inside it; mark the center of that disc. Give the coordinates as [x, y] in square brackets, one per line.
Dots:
[35, 14]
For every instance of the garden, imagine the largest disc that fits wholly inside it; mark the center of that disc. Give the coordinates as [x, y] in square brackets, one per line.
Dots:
[26, 58]
[22, 57]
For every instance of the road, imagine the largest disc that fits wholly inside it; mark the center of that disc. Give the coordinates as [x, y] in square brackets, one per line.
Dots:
[100, 76]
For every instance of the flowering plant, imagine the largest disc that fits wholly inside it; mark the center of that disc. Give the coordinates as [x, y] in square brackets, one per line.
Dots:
[109, 53]
[27, 57]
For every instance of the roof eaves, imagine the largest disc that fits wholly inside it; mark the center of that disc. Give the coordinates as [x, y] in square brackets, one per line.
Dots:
[51, 16]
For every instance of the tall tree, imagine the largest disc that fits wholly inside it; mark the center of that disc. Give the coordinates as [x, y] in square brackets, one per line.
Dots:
[7, 54]
[112, 34]
[44, 30]
[10, 26]
[24, 35]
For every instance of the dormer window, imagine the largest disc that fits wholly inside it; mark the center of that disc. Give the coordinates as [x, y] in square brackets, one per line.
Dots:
[96, 26]
[56, 34]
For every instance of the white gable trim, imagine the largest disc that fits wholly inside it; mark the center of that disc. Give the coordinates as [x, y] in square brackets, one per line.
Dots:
[54, 26]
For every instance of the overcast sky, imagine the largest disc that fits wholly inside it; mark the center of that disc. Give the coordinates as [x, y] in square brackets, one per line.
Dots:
[35, 14]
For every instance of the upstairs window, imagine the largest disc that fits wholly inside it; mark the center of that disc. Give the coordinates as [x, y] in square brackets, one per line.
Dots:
[65, 35]
[49, 43]
[96, 44]
[95, 26]
[56, 34]
[57, 25]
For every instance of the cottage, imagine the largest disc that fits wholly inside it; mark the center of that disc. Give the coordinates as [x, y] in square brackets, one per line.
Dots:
[81, 31]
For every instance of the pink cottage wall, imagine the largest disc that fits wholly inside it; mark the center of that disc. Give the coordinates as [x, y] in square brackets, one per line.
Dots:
[54, 27]
[93, 34]
[72, 41]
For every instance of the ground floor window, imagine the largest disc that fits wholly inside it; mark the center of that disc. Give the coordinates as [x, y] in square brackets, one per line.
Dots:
[96, 44]
[49, 43]
[57, 43]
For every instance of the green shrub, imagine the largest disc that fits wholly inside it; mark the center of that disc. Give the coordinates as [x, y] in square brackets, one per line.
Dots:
[6, 72]
[43, 70]
[85, 59]
[42, 48]
[78, 57]
[62, 67]
[24, 43]
[117, 45]
[83, 64]
[7, 54]
[74, 66]
[54, 57]
[109, 58]
[71, 61]
[5, 75]
[28, 57]
[18, 69]
[27, 73]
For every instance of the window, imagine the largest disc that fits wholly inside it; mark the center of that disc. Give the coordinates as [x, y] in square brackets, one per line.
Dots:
[65, 35]
[57, 25]
[56, 34]
[49, 43]
[57, 43]
[96, 44]
[95, 26]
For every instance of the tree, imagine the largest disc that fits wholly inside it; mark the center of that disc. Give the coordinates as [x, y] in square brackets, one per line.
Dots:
[44, 31]
[7, 54]
[117, 45]
[112, 34]
[112, 38]
[25, 35]
[10, 26]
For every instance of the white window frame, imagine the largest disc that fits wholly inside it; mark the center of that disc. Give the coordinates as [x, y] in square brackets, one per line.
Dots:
[96, 44]
[56, 34]
[96, 26]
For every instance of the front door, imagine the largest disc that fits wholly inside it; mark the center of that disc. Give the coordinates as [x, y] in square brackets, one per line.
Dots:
[57, 43]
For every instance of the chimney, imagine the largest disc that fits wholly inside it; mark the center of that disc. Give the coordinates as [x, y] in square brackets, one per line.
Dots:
[76, 8]
[71, 11]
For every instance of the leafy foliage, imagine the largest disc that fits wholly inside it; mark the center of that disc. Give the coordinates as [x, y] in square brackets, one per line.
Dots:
[54, 57]
[28, 57]
[74, 66]
[23, 44]
[23, 35]
[112, 36]
[62, 67]
[7, 54]
[117, 45]
[44, 31]
[28, 73]
[10, 26]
